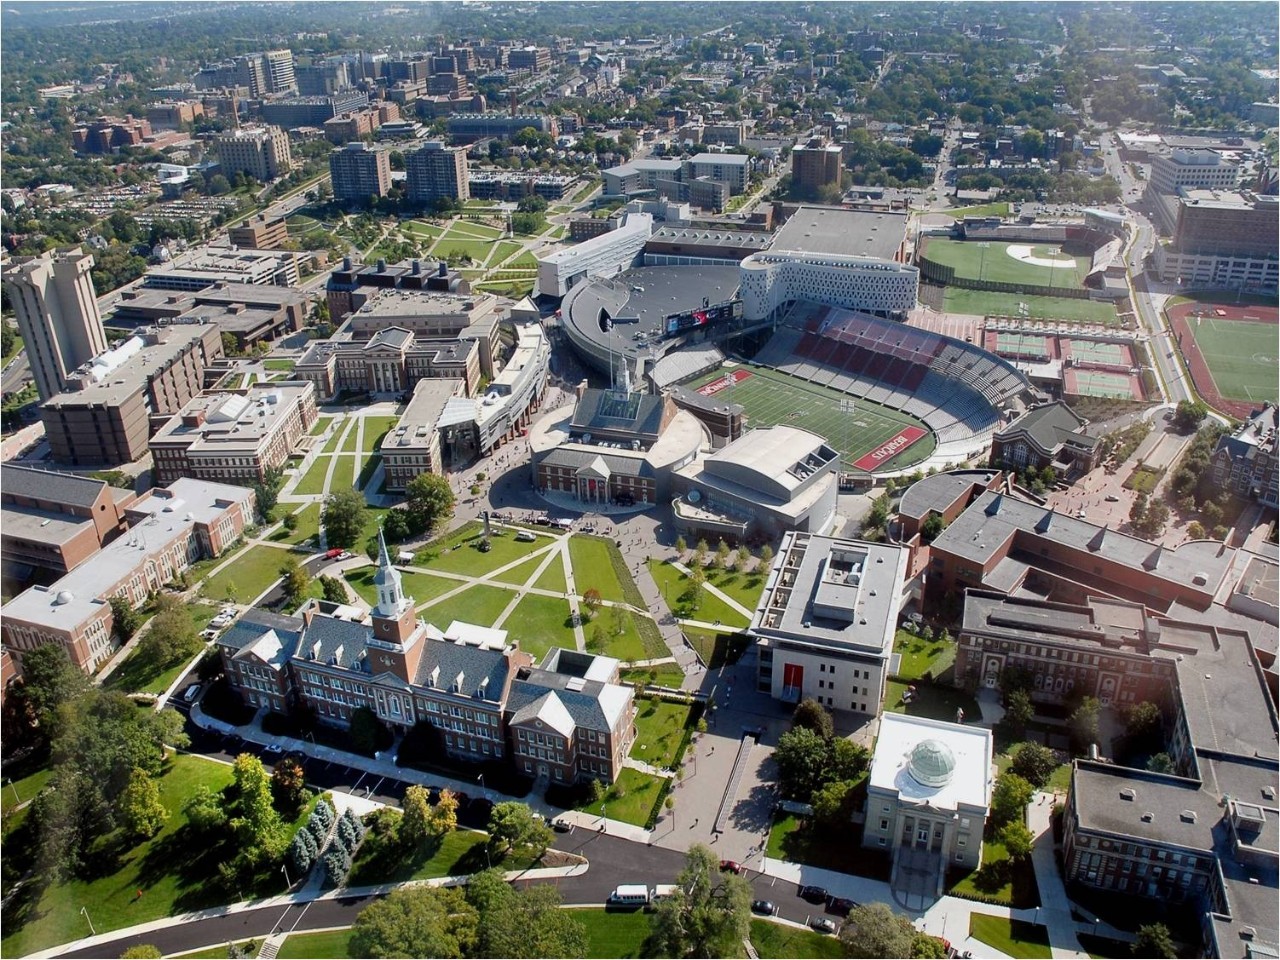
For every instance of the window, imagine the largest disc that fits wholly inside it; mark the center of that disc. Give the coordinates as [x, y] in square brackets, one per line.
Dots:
[884, 824]
[883, 842]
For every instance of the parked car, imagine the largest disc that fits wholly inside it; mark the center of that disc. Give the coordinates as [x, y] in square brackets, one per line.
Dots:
[526, 536]
[1112, 498]
[333, 554]
[731, 866]
[823, 924]
[813, 894]
[841, 906]
[190, 694]
[561, 825]
[209, 634]
[764, 907]
[273, 749]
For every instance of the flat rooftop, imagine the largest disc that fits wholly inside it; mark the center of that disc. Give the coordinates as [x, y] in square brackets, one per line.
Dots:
[849, 233]
[971, 778]
[418, 423]
[125, 368]
[934, 494]
[701, 236]
[235, 422]
[395, 303]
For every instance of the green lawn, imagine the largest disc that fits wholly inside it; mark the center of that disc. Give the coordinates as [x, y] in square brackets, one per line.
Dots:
[553, 577]
[251, 574]
[453, 244]
[715, 648]
[990, 260]
[660, 727]
[593, 567]
[920, 656]
[1241, 356]
[983, 210]
[936, 702]
[745, 588]
[316, 946]
[615, 933]
[375, 428]
[459, 552]
[519, 575]
[379, 860]
[794, 838]
[175, 874]
[668, 675]
[677, 592]
[281, 364]
[319, 427]
[23, 790]
[502, 250]
[480, 605]
[540, 623]
[308, 525]
[1060, 780]
[312, 481]
[1013, 938]
[420, 586]
[990, 303]
[420, 229]
[351, 443]
[474, 228]
[336, 438]
[774, 940]
[630, 799]
[999, 879]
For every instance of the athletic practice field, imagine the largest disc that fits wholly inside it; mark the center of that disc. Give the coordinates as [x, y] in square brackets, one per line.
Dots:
[1231, 350]
[987, 303]
[1041, 265]
[771, 397]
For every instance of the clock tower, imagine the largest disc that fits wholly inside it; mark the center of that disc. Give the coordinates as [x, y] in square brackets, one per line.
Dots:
[395, 624]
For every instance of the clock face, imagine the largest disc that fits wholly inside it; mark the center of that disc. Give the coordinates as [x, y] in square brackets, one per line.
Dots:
[386, 661]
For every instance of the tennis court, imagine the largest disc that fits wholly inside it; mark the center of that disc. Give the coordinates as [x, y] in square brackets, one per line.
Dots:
[1102, 354]
[1098, 383]
[771, 397]
[1040, 265]
[1030, 346]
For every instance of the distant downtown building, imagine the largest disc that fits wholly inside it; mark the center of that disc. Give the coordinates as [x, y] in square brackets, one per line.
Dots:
[57, 312]
[234, 436]
[170, 529]
[359, 172]
[467, 128]
[261, 152]
[105, 416]
[816, 164]
[436, 171]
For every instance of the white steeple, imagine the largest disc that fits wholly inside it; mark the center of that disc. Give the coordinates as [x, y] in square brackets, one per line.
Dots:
[391, 598]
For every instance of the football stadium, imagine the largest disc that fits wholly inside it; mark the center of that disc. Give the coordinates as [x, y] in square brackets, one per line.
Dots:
[809, 333]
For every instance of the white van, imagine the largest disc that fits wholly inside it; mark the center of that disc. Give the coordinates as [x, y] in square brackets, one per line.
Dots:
[631, 894]
[526, 536]
[665, 891]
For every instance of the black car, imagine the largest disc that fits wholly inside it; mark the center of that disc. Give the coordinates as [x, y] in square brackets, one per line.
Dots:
[764, 907]
[840, 906]
[813, 894]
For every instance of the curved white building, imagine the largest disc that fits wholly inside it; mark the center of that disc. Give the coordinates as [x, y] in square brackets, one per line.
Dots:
[775, 278]
[604, 256]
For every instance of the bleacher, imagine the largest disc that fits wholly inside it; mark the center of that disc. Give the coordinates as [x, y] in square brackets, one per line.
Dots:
[956, 388]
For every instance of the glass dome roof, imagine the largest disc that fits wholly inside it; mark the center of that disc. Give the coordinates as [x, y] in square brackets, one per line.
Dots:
[932, 763]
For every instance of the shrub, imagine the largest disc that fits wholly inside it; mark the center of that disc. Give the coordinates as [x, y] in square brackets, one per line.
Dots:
[302, 852]
[319, 822]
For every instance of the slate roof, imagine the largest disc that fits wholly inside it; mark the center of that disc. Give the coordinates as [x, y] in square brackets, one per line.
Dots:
[551, 710]
[575, 457]
[595, 705]
[255, 624]
[49, 485]
[328, 638]
[474, 663]
[1050, 427]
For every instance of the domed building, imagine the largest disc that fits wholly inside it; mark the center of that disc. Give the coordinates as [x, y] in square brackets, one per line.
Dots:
[928, 798]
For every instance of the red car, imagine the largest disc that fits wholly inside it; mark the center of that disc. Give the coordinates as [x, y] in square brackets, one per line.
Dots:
[333, 554]
[731, 866]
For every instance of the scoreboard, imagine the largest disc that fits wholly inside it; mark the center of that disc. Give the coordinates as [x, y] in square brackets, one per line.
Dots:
[707, 316]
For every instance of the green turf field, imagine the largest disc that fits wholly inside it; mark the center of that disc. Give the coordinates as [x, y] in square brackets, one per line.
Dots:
[771, 397]
[987, 303]
[990, 260]
[1241, 356]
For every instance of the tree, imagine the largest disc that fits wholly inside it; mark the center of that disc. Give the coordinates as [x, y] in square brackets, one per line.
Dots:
[766, 557]
[722, 556]
[700, 553]
[267, 491]
[429, 500]
[1160, 763]
[1018, 711]
[415, 826]
[142, 951]
[416, 922]
[288, 785]
[832, 802]
[743, 558]
[1083, 722]
[1142, 719]
[801, 756]
[444, 815]
[1195, 530]
[697, 580]
[710, 914]
[366, 730]
[256, 826]
[141, 812]
[932, 527]
[49, 679]
[1154, 940]
[1188, 415]
[681, 546]
[204, 811]
[522, 923]
[810, 713]
[874, 930]
[125, 618]
[848, 760]
[296, 581]
[591, 599]
[343, 518]
[513, 828]
[1139, 508]
[926, 947]
[1009, 799]
[171, 636]
[333, 589]
[1035, 763]
[1017, 840]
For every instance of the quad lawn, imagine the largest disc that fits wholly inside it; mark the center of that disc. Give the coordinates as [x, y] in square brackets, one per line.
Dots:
[519, 575]
[935, 702]
[379, 860]
[593, 567]
[351, 444]
[140, 675]
[615, 933]
[285, 365]
[375, 428]
[322, 945]
[452, 244]
[667, 675]
[1014, 938]
[999, 879]
[308, 525]
[660, 727]
[312, 481]
[553, 577]
[616, 632]
[344, 473]
[474, 228]
[774, 940]
[920, 656]
[539, 623]
[176, 873]
[321, 424]
[742, 587]
[641, 791]
[1059, 780]
[339, 432]
[480, 605]
[677, 592]
[459, 552]
[792, 838]
[504, 249]
[420, 586]
[252, 573]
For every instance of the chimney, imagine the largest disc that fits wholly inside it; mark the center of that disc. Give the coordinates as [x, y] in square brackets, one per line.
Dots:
[308, 614]
[444, 269]
[382, 265]
[417, 267]
[346, 263]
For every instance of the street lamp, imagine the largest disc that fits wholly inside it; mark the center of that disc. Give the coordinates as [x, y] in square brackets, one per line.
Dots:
[285, 868]
[86, 916]
[14, 787]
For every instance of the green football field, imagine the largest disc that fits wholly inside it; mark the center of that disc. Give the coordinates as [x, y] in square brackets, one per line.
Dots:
[990, 260]
[1241, 356]
[987, 303]
[771, 397]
